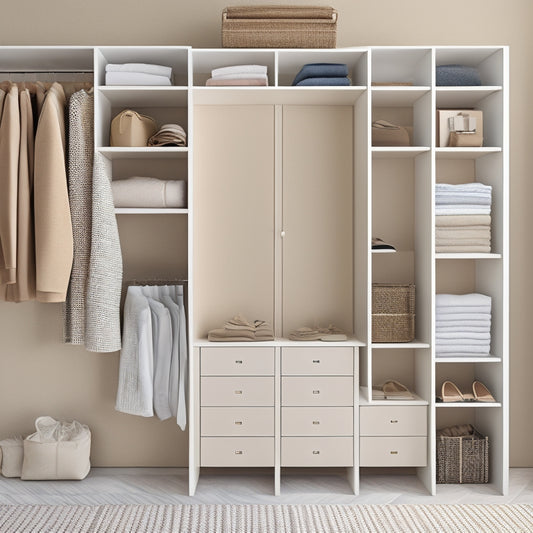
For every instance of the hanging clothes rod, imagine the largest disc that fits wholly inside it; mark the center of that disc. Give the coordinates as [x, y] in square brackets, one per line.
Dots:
[156, 281]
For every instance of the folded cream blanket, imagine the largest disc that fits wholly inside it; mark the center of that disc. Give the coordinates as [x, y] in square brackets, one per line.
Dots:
[459, 240]
[255, 70]
[463, 232]
[144, 68]
[135, 78]
[149, 192]
[248, 81]
[462, 220]
[456, 249]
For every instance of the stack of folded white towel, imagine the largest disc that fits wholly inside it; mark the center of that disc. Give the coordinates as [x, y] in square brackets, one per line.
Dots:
[462, 217]
[153, 360]
[462, 325]
[249, 75]
[137, 74]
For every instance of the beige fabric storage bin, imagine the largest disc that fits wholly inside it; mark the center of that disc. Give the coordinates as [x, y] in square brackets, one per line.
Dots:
[279, 27]
[11, 456]
[57, 450]
[393, 312]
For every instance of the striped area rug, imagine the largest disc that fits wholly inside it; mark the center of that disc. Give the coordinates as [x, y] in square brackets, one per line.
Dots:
[265, 518]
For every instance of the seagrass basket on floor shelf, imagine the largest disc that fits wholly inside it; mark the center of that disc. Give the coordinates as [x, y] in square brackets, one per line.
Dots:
[393, 312]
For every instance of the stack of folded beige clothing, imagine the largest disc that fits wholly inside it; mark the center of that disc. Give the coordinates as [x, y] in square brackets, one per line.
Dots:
[240, 330]
[385, 133]
[331, 333]
[463, 217]
[246, 75]
[149, 192]
[169, 135]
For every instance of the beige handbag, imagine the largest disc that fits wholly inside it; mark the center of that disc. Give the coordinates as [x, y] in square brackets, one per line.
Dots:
[57, 450]
[130, 128]
[385, 133]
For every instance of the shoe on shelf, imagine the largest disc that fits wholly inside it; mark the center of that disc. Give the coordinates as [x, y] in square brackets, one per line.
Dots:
[451, 393]
[379, 245]
[481, 393]
[394, 390]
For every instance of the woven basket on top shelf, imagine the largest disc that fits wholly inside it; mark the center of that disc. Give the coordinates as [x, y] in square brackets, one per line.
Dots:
[393, 312]
[462, 458]
[279, 27]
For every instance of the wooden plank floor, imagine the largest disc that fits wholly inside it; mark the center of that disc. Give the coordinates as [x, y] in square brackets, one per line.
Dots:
[169, 486]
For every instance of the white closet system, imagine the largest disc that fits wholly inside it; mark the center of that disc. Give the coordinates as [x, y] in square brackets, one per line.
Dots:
[283, 199]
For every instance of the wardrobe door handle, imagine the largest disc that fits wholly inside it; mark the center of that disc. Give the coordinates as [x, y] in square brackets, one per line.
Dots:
[238, 362]
[394, 452]
[238, 422]
[316, 452]
[316, 392]
[316, 422]
[316, 361]
[238, 452]
[238, 392]
[394, 421]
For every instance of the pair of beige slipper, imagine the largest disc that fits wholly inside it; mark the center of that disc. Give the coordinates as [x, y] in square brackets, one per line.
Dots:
[331, 333]
[392, 390]
[451, 393]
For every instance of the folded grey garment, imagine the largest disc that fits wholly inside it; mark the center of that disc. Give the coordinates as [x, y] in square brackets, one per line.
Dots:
[249, 81]
[144, 68]
[457, 75]
[386, 133]
[149, 192]
[135, 78]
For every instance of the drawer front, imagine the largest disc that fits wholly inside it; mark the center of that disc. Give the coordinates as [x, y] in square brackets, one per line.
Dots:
[393, 451]
[320, 421]
[318, 391]
[332, 361]
[237, 451]
[317, 451]
[229, 361]
[237, 391]
[394, 420]
[237, 421]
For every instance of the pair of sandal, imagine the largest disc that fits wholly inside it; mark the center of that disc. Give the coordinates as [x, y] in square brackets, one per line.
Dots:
[451, 393]
[391, 390]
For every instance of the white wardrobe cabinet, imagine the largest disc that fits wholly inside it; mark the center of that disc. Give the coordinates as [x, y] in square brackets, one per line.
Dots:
[285, 192]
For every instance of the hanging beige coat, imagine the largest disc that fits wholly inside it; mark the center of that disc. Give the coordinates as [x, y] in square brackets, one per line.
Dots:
[24, 288]
[9, 161]
[53, 228]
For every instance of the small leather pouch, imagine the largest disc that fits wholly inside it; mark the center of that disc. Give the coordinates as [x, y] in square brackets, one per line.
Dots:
[130, 128]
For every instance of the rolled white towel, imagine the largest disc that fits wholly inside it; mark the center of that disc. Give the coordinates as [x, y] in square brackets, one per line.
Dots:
[144, 68]
[149, 192]
[239, 69]
[135, 78]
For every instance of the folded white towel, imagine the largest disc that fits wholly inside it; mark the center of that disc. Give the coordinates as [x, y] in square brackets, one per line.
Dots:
[239, 69]
[466, 319]
[482, 349]
[466, 209]
[462, 187]
[462, 329]
[135, 382]
[143, 68]
[241, 76]
[454, 354]
[444, 337]
[135, 78]
[451, 201]
[454, 300]
[149, 192]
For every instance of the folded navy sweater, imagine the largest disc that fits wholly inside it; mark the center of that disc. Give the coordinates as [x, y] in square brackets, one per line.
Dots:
[321, 70]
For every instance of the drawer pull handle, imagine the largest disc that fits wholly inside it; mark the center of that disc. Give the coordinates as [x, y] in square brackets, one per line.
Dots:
[394, 421]
[316, 422]
[238, 362]
[238, 392]
[238, 422]
[316, 392]
[316, 360]
[394, 453]
[316, 452]
[238, 452]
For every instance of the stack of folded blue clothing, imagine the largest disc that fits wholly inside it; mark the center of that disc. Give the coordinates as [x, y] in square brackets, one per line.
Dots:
[314, 74]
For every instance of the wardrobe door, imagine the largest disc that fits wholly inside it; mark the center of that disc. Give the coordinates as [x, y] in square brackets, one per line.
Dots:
[317, 216]
[234, 214]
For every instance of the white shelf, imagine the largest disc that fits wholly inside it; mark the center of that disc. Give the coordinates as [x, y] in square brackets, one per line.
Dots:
[394, 152]
[463, 405]
[416, 401]
[144, 152]
[399, 345]
[461, 97]
[150, 211]
[384, 251]
[465, 153]
[468, 359]
[277, 95]
[279, 342]
[397, 96]
[467, 256]
[152, 96]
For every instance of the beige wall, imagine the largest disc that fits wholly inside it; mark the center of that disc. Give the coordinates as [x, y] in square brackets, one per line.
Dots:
[39, 375]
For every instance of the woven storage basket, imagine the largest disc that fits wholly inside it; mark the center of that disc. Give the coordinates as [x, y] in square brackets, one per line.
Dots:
[279, 27]
[393, 312]
[463, 459]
